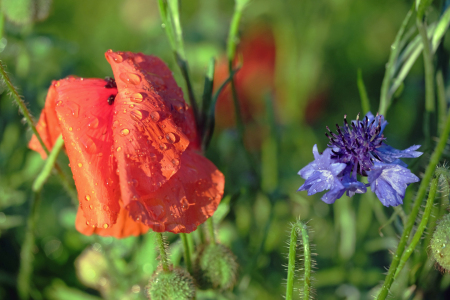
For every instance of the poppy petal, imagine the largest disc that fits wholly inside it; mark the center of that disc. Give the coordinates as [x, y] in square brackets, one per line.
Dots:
[189, 198]
[85, 119]
[148, 122]
[125, 226]
[48, 125]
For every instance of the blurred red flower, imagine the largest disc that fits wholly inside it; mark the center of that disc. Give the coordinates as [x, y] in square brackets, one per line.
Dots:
[254, 79]
[133, 150]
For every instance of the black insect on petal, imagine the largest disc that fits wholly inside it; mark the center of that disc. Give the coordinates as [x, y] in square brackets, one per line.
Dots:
[110, 83]
[111, 99]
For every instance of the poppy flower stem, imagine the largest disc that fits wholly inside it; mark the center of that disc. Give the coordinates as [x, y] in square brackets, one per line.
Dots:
[212, 234]
[434, 160]
[187, 252]
[26, 253]
[423, 223]
[162, 251]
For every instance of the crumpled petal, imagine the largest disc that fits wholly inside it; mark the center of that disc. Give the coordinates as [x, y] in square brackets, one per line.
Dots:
[48, 125]
[85, 122]
[147, 123]
[353, 186]
[389, 182]
[185, 201]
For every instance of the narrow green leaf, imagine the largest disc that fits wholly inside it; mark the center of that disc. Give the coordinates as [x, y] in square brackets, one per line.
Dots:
[365, 103]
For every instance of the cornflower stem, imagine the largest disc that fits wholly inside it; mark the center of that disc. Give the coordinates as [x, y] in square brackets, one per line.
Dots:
[423, 223]
[26, 253]
[442, 102]
[187, 252]
[212, 234]
[385, 99]
[162, 251]
[299, 228]
[434, 160]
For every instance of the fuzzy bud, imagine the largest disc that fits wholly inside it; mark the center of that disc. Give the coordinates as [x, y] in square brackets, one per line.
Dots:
[176, 284]
[440, 244]
[216, 267]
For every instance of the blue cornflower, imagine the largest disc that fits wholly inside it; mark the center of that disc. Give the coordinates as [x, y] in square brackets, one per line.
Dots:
[359, 149]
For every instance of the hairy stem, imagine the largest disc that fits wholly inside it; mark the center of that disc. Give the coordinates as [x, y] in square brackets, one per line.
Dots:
[162, 251]
[434, 160]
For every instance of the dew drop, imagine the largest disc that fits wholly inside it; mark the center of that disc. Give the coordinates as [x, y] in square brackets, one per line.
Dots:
[70, 128]
[124, 111]
[131, 106]
[162, 146]
[175, 161]
[74, 108]
[91, 206]
[105, 226]
[118, 149]
[155, 116]
[93, 124]
[59, 103]
[136, 115]
[132, 78]
[124, 131]
[88, 144]
[136, 97]
[171, 137]
[116, 57]
[80, 165]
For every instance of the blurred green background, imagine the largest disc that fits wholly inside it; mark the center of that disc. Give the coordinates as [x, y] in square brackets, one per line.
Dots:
[302, 60]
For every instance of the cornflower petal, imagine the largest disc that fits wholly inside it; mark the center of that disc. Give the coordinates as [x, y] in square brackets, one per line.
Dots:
[389, 182]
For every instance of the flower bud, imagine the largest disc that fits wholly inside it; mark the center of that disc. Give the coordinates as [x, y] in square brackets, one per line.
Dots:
[215, 266]
[440, 244]
[176, 284]
[92, 269]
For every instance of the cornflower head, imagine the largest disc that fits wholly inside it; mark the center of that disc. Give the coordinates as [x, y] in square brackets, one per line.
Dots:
[359, 148]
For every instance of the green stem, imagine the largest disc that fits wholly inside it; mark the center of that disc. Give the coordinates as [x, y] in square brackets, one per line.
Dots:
[420, 229]
[428, 64]
[385, 100]
[299, 228]
[365, 103]
[49, 163]
[187, 252]
[26, 253]
[291, 263]
[162, 251]
[434, 160]
[442, 109]
[22, 107]
[212, 234]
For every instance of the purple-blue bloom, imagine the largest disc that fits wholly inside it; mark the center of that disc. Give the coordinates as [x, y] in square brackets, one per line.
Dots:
[358, 149]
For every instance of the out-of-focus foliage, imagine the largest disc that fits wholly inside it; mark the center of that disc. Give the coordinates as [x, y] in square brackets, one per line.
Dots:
[318, 47]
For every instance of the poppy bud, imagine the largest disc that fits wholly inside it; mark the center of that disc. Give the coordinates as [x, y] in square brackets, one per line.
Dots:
[216, 266]
[176, 284]
[440, 244]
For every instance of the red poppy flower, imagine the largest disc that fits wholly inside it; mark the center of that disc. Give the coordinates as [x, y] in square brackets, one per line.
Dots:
[133, 150]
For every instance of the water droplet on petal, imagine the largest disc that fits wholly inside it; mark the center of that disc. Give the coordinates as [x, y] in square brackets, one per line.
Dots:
[132, 78]
[74, 108]
[105, 226]
[175, 161]
[118, 149]
[59, 103]
[136, 97]
[91, 206]
[88, 144]
[116, 57]
[93, 124]
[155, 116]
[124, 131]
[162, 146]
[136, 115]
[87, 197]
[80, 165]
[70, 128]
[171, 137]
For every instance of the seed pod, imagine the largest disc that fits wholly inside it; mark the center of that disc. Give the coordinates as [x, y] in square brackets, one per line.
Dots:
[440, 244]
[216, 267]
[176, 284]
